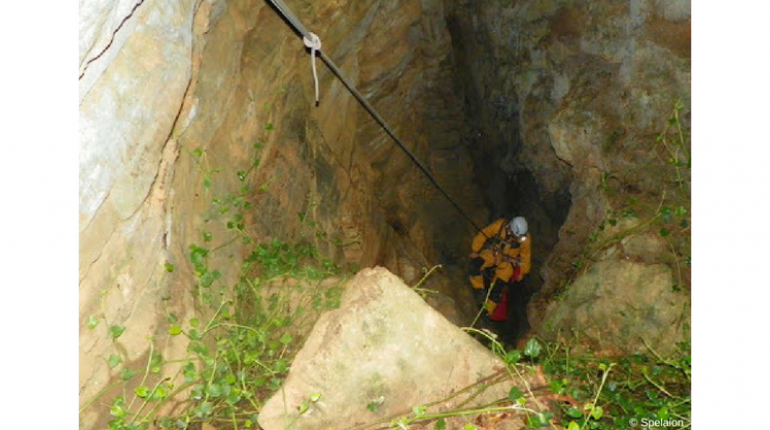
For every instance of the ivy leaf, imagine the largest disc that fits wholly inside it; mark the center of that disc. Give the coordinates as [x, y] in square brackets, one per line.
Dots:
[544, 418]
[160, 393]
[533, 348]
[515, 393]
[113, 361]
[440, 424]
[512, 356]
[169, 267]
[156, 362]
[573, 426]
[207, 279]
[275, 384]
[281, 365]
[556, 386]
[189, 372]
[198, 152]
[195, 335]
[142, 391]
[197, 254]
[597, 412]
[574, 412]
[286, 339]
[214, 390]
[116, 331]
[419, 411]
[204, 410]
[315, 397]
[92, 322]
[175, 330]
[126, 373]
[234, 397]
[663, 413]
[117, 410]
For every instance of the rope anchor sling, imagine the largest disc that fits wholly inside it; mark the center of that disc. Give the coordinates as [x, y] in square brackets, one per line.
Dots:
[314, 43]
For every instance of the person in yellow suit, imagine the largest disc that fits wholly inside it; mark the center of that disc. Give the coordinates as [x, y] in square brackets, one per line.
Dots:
[502, 255]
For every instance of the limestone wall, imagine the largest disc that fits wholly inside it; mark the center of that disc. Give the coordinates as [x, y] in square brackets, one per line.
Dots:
[178, 98]
[577, 94]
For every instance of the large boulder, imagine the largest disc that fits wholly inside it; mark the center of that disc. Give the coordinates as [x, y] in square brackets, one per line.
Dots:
[383, 347]
[619, 305]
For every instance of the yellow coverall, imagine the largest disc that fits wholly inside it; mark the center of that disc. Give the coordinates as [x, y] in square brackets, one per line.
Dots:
[509, 252]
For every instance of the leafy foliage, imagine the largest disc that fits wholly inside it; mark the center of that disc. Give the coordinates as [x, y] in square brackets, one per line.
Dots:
[584, 391]
[616, 391]
[242, 339]
[662, 208]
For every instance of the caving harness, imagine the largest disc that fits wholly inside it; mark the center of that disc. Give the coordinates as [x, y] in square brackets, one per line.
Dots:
[497, 244]
[497, 304]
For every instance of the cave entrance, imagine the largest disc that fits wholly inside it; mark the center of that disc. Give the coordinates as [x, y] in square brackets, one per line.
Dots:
[545, 215]
[493, 113]
[517, 194]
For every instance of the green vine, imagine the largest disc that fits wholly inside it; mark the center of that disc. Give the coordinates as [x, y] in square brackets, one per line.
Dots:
[665, 212]
[243, 336]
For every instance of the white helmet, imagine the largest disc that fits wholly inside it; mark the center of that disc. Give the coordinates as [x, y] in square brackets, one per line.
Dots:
[518, 226]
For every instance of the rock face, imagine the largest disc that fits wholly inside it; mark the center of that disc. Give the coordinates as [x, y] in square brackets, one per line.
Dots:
[631, 299]
[617, 307]
[191, 108]
[383, 346]
[576, 96]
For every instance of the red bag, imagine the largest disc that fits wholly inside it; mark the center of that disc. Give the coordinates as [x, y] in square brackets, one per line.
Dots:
[501, 310]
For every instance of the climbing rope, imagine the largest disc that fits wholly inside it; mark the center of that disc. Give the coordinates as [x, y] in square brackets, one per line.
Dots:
[313, 42]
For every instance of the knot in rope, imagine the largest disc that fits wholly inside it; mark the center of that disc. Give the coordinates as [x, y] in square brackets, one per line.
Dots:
[314, 43]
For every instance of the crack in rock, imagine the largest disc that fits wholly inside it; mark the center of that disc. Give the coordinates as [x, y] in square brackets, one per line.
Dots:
[112, 39]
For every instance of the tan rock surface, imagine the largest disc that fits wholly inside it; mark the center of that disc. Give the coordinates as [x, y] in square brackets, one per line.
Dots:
[383, 344]
[221, 77]
[617, 306]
